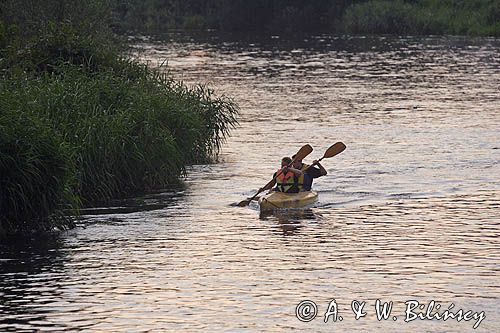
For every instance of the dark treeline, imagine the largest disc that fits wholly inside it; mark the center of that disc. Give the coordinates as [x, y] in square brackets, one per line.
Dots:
[232, 15]
[81, 123]
[463, 17]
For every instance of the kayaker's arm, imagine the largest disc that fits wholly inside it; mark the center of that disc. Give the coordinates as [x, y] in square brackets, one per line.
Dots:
[296, 172]
[271, 184]
[321, 168]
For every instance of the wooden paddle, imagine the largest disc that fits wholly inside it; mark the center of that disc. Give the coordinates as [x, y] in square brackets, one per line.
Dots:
[301, 154]
[334, 149]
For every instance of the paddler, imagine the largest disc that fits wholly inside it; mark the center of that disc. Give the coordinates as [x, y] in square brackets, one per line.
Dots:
[308, 173]
[287, 178]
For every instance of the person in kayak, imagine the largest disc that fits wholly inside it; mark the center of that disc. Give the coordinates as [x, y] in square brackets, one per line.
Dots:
[285, 179]
[308, 173]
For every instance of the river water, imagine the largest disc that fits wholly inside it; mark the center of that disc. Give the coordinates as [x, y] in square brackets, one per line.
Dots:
[409, 211]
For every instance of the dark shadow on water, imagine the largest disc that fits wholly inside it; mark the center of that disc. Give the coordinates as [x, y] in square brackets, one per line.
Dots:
[31, 275]
[148, 202]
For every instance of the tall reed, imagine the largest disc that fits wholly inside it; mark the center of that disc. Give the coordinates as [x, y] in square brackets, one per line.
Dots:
[473, 17]
[81, 124]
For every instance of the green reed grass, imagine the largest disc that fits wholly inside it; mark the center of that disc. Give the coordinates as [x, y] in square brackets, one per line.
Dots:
[35, 168]
[82, 124]
[473, 17]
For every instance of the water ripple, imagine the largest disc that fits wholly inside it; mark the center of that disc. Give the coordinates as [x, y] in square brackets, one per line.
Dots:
[408, 211]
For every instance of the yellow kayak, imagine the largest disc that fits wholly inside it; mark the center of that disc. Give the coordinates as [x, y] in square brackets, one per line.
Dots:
[276, 200]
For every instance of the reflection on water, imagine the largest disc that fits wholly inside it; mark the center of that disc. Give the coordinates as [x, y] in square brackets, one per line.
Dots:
[408, 211]
[32, 273]
[290, 220]
[149, 202]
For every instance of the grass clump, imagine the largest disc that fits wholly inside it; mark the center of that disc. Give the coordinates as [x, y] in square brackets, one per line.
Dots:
[35, 168]
[81, 124]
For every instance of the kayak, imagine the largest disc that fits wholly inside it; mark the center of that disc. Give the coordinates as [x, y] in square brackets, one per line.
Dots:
[277, 200]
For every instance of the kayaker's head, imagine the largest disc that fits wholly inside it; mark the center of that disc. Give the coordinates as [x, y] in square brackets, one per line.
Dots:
[285, 161]
[297, 164]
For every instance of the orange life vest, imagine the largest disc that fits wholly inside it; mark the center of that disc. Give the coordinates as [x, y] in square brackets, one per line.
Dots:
[285, 182]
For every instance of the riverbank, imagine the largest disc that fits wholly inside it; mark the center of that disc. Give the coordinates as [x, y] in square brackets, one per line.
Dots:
[81, 123]
[401, 17]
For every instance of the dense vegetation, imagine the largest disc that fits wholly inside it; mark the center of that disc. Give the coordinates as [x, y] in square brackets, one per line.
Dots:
[81, 123]
[473, 17]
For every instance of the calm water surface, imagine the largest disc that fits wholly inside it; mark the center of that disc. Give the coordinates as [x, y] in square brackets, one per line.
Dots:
[410, 211]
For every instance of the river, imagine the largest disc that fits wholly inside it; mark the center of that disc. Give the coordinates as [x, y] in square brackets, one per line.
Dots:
[409, 211]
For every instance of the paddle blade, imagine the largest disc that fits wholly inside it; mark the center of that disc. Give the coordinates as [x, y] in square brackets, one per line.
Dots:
[335, 149]
[303, 152]
[243, 203]
[246, 202]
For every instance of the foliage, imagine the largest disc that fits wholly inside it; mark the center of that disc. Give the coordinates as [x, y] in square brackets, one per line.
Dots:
[80, 123]
[474, 17]
[228, 15]
[35, 169]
